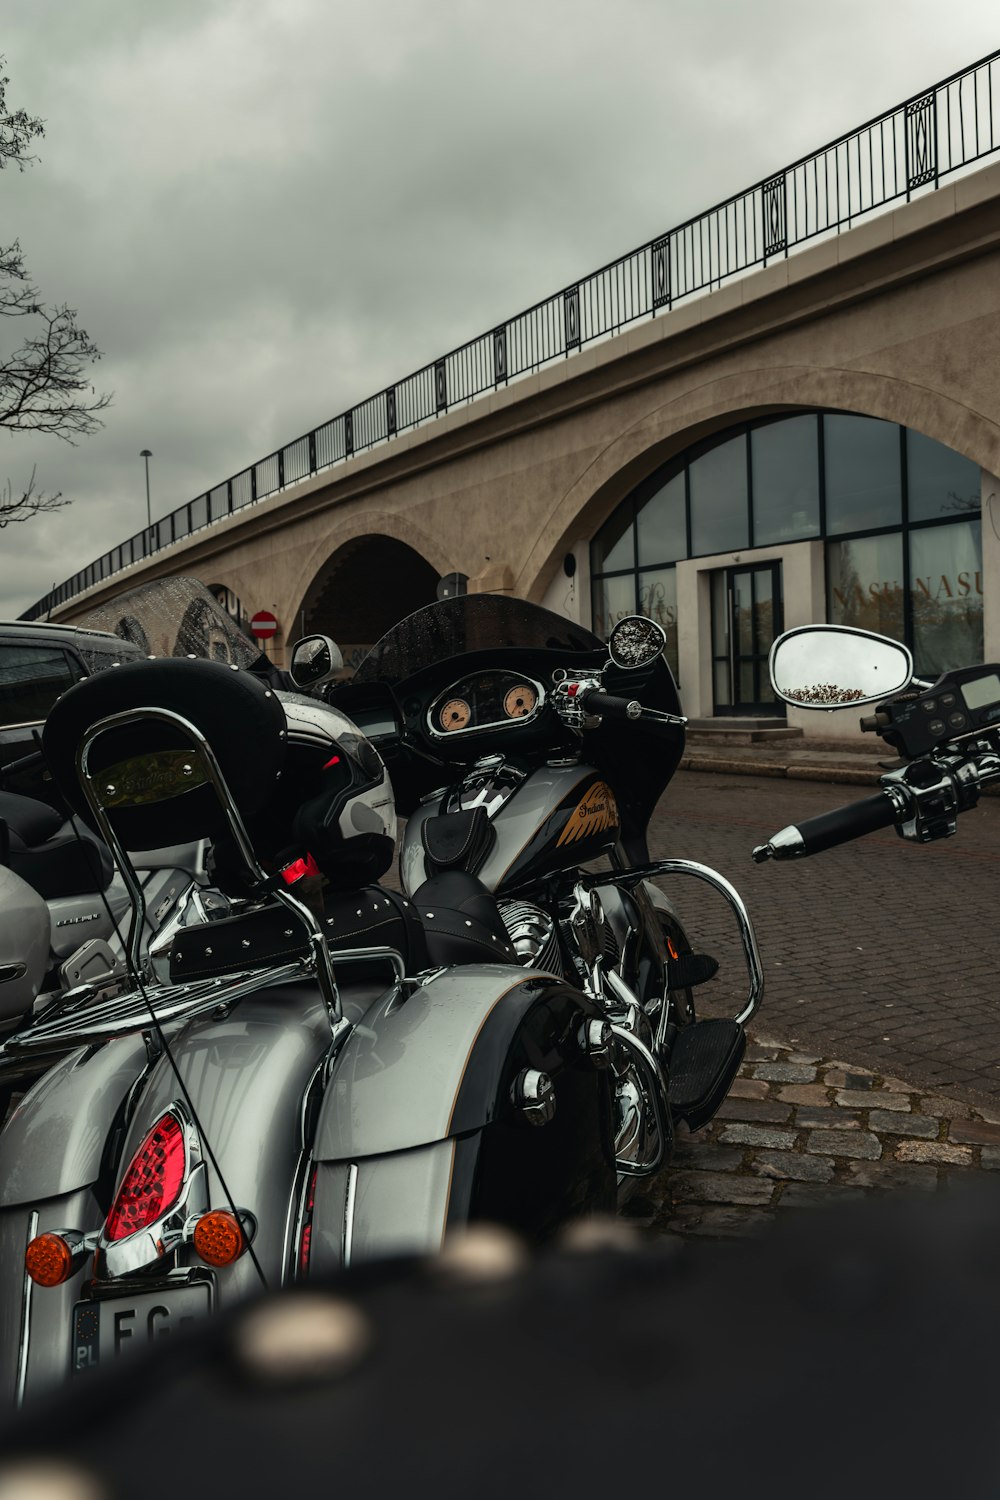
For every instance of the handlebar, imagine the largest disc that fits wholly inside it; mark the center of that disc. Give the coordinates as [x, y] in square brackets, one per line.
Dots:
[827, 830]
[608, 706]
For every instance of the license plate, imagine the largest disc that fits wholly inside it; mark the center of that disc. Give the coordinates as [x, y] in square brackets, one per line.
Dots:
[116, 1325]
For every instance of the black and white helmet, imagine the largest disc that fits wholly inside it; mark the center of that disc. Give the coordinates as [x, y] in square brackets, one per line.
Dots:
[345, 813]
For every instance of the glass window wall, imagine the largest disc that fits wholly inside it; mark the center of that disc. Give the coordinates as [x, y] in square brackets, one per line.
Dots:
[784, 465]
[940, 483]
[661, 526]
[865, 583]
[946, 596]
[901, 511]
[718, 489]
[658, 600]
[863, 473]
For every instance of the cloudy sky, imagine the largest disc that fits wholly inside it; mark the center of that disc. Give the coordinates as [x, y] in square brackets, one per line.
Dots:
[266, 210]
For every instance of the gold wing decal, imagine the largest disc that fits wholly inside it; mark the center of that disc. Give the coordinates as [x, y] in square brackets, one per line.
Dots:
[596, 811]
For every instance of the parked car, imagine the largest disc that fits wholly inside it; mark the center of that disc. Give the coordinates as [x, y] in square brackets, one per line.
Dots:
[37, 663]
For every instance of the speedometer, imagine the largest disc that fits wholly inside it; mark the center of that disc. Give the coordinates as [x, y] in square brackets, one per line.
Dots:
[519, 701]
[455, 714]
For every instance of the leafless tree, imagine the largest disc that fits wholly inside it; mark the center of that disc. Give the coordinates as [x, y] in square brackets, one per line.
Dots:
[44, 385]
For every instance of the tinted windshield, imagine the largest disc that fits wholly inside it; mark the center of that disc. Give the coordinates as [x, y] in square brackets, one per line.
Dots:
[175, 617]
[471, 622]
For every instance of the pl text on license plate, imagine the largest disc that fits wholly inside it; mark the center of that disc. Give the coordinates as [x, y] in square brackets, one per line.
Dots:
[102, 1330]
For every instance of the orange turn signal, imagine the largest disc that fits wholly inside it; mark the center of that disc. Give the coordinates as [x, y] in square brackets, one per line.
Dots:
[48, 1260]
[219, 1238]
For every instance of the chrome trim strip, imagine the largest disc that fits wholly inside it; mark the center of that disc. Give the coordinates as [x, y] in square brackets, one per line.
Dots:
[349, 1207]
[22, 1352]
[295, 1218]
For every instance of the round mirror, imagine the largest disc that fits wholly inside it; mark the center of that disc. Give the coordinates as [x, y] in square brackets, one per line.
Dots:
[835, 666]
[314, 659]
[636, 641]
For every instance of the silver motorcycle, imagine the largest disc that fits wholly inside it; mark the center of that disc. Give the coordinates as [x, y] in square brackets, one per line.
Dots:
[313, 1074]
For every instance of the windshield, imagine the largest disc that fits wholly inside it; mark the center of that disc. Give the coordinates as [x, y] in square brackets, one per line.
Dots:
[471, 622]
[175, 617]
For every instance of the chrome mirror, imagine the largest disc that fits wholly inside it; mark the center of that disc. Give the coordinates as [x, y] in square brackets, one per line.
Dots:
[315, 659]
[636, 641]
[836, 666]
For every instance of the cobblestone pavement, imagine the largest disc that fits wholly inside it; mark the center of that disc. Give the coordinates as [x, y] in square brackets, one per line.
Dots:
[798, 1131]
[880, 952]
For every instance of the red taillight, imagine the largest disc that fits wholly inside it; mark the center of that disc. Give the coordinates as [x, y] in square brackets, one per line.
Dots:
[152, 1183]
[305, 1239]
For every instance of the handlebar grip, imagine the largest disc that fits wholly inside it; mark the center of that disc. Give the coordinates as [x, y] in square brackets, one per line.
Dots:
[827, 830]
[609, 706]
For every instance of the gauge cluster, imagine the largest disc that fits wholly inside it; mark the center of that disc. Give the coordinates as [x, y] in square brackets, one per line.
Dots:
[485, 700]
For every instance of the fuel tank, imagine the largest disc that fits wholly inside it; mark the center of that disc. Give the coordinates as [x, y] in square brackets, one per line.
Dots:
[557, 817]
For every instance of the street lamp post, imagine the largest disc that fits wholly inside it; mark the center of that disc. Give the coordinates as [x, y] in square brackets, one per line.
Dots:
[147, 455]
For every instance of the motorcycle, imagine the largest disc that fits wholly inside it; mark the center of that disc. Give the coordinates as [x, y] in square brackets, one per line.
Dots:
[524, 749]
[946, 734]
[329, 1073]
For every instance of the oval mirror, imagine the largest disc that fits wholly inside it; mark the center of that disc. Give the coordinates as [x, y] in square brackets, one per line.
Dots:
[315, 659]
[636, 641]
[836, 666]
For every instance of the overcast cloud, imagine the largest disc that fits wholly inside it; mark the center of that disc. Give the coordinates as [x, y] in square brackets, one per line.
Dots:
[266, 210]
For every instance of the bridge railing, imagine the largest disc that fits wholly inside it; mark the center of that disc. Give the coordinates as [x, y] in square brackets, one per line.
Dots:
[947, 128]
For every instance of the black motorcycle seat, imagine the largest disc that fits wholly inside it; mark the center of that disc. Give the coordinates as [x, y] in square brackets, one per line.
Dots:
[54, 858]
[462, 924]
[368, 918]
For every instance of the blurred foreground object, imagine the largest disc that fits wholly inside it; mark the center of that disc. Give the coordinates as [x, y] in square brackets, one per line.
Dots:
[845, 1352]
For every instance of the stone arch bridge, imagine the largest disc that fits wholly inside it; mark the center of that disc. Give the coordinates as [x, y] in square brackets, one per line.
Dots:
[897, 318]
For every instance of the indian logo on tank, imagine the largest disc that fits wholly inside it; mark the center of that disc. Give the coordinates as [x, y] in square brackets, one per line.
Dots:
[596, 811]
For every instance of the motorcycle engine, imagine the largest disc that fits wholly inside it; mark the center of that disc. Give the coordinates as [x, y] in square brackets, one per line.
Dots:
[533, 934]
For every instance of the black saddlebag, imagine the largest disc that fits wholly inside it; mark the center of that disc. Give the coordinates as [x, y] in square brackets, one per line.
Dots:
[369, 918]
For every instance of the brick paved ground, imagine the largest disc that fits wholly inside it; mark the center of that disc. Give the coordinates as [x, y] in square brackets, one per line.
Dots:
[798, 1131]
[880, 952]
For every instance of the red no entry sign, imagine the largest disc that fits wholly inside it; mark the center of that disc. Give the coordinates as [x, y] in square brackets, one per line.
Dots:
[263, 625]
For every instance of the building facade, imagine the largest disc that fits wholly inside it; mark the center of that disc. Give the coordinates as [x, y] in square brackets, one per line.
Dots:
[849, 519]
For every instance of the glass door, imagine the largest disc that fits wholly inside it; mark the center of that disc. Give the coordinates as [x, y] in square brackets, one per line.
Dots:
[746, 617]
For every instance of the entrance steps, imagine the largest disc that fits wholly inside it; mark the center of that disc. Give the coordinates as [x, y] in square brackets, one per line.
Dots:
[739, 731]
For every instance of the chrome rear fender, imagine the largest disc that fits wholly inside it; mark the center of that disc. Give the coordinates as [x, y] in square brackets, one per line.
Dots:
[55, 1140]
[247, 1075]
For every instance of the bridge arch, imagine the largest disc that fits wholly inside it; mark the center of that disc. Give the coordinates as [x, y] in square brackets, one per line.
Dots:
[680, 422]
[362, 589]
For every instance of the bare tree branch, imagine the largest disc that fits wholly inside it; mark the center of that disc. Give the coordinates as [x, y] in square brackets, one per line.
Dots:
[44, 385]
[17, 130]
[21, 507]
